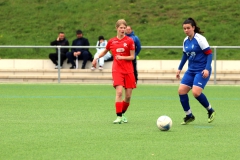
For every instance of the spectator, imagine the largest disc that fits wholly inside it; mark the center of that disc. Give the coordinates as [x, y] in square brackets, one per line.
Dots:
[60, 41]
[107, 57]
[130, 33]
[81, 53]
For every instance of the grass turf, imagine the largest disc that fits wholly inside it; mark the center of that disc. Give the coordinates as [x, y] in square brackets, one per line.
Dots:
[155, 22]
[52, 121]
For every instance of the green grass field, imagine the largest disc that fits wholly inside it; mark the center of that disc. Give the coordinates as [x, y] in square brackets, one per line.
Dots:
[71, 121]
[156, 22]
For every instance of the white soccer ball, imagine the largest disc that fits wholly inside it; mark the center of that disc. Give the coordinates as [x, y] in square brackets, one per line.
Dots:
[164, 123]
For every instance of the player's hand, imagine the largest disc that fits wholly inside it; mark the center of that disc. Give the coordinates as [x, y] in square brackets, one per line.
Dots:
[205, 73]
[178, 74]
[57, 38]
[118, 57]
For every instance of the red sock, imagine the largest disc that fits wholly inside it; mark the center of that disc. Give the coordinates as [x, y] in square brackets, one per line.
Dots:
[125, 106]
[119, 107]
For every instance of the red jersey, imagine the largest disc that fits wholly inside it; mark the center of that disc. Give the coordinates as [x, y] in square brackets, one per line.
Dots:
[121, 47]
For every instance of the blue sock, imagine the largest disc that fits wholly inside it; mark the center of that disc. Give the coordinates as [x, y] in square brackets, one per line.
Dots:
[185, 103]
[210, 110]
[203, 100]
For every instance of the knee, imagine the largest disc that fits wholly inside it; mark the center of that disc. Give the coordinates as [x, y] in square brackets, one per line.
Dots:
[119, 94]
[181, 91]
[196, 93]
[127, 98]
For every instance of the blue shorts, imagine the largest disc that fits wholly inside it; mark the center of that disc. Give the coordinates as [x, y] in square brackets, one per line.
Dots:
[195, 79]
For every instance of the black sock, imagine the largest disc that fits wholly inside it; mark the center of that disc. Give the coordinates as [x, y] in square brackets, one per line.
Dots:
[119, 114]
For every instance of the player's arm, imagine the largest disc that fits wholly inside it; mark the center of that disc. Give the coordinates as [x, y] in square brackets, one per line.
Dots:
[207, 51]
[132, 55]
[205, 72]
[130, 58]
[103, 53]
[183, 61]
[209, 62]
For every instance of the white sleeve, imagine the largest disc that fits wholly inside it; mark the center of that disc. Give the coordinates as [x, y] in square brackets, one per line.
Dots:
[202, 41]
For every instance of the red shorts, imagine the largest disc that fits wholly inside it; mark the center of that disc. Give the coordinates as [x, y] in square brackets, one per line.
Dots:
[127, 80]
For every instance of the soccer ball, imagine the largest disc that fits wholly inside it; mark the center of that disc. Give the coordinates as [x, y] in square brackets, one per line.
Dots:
[164, 123]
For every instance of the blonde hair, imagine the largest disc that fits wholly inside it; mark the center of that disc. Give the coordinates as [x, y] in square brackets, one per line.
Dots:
[121, 21]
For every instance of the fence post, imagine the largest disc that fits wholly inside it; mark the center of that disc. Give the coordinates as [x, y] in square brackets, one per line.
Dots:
[59, 60]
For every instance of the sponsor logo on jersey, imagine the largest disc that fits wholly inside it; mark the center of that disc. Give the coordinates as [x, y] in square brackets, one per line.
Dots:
[120, 50]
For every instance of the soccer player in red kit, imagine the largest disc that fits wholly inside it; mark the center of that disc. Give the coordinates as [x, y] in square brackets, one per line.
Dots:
[123, 50]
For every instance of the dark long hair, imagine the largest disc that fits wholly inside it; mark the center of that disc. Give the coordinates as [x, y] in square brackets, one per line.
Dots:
[99, 38]
[193, 23]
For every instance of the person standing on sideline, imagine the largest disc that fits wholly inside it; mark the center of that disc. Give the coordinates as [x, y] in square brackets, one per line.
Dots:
[199, 55]
[102, 43]
[60, 41]
[80, 53]
[122, 48]
[130, 33]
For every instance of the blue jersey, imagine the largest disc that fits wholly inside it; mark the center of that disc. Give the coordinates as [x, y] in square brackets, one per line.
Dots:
[196, 51]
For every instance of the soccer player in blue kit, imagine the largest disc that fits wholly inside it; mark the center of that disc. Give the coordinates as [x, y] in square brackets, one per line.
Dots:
[199, 55]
